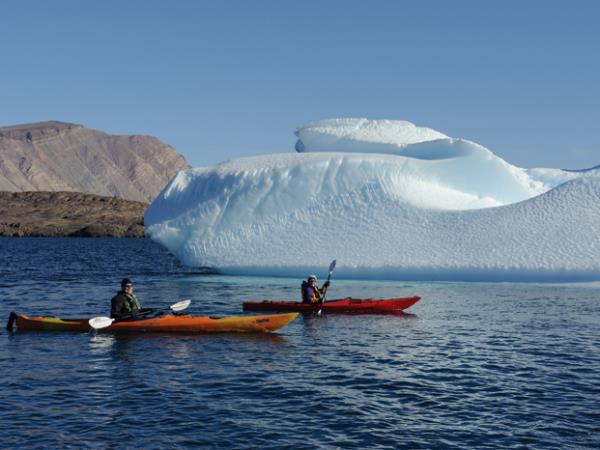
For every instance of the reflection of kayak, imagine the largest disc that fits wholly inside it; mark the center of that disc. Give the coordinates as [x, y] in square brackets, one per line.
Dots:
[346, 305]
[165, 323]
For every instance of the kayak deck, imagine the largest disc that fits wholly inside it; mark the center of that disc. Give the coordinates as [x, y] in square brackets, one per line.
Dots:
[165, 323]
[345, 305]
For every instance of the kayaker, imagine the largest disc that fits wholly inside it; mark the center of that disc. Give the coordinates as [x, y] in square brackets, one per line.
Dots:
[311, 293]
[125, 304]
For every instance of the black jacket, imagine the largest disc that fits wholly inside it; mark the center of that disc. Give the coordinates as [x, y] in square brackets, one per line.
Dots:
[123, 304]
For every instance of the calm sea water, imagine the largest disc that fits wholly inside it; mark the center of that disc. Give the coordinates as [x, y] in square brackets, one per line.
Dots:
[474, 365]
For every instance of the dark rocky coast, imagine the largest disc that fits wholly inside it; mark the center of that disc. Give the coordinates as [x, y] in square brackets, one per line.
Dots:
[54, 214]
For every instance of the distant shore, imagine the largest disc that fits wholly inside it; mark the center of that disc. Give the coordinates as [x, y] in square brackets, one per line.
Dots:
[61, 214]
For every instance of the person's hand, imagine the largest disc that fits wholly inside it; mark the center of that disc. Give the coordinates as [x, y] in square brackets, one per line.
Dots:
[326, 284]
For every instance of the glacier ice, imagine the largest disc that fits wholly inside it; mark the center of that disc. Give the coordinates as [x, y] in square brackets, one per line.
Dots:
[362, 135]
[387, 199]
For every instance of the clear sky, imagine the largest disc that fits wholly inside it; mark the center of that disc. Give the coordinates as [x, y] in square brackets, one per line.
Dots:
[222, 79]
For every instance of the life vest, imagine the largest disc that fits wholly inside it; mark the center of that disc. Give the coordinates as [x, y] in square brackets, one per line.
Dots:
[124, 303]
[309, 294]
[304, 292]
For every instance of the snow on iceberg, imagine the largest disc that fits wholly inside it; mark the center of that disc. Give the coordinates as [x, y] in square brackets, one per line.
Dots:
[362, 135]
[413, 204]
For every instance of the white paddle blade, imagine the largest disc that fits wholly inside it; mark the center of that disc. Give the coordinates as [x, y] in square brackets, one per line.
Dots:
[180, 306]
[100, 322]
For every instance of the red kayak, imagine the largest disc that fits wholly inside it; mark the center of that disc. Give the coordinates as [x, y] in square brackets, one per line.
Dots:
[345, 305]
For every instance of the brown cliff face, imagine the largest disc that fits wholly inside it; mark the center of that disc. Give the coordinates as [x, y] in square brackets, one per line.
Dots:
[69, 214]
[58, 156]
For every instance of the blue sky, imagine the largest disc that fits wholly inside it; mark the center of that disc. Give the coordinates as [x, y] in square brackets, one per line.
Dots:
[224, 79]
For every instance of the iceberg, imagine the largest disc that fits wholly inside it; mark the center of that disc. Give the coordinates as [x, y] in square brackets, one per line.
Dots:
[388, 200]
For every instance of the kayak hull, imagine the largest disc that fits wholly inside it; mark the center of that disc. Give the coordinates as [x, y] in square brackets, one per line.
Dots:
[345, 305]
[165, 323]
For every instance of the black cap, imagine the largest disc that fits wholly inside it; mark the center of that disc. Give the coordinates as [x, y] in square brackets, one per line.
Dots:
[125, 281]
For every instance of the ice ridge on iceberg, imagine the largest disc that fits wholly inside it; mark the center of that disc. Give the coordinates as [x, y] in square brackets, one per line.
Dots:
[362, 135]
[423, 206]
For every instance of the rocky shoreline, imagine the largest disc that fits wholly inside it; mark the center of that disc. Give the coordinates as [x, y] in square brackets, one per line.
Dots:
[59, 214]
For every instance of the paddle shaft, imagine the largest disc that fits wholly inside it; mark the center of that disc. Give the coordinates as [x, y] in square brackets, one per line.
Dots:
[331, 267]
[325, 293]
[103, 322]
[140, 313]
[176, 307]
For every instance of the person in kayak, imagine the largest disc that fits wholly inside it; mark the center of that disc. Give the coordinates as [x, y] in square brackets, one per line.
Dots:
[125, 304]
[311, 293]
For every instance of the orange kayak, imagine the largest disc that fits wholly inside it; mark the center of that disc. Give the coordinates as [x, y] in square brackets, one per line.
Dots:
[165, 323]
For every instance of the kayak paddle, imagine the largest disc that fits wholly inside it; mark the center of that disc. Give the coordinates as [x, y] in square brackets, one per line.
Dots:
[331, 267]
[102, 322]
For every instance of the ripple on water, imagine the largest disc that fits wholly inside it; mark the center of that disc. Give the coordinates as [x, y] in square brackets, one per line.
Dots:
[474, 365]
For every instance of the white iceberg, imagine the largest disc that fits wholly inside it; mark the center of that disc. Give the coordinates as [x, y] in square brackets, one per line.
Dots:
[386, 199]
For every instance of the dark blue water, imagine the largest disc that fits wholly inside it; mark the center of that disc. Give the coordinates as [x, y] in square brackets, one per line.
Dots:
[474, 366]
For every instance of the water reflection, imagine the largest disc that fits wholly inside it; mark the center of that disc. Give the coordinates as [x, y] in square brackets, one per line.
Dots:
[100, 343]
[183, 346]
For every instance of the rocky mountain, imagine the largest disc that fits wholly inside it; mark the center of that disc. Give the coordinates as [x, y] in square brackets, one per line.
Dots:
[59, 156]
